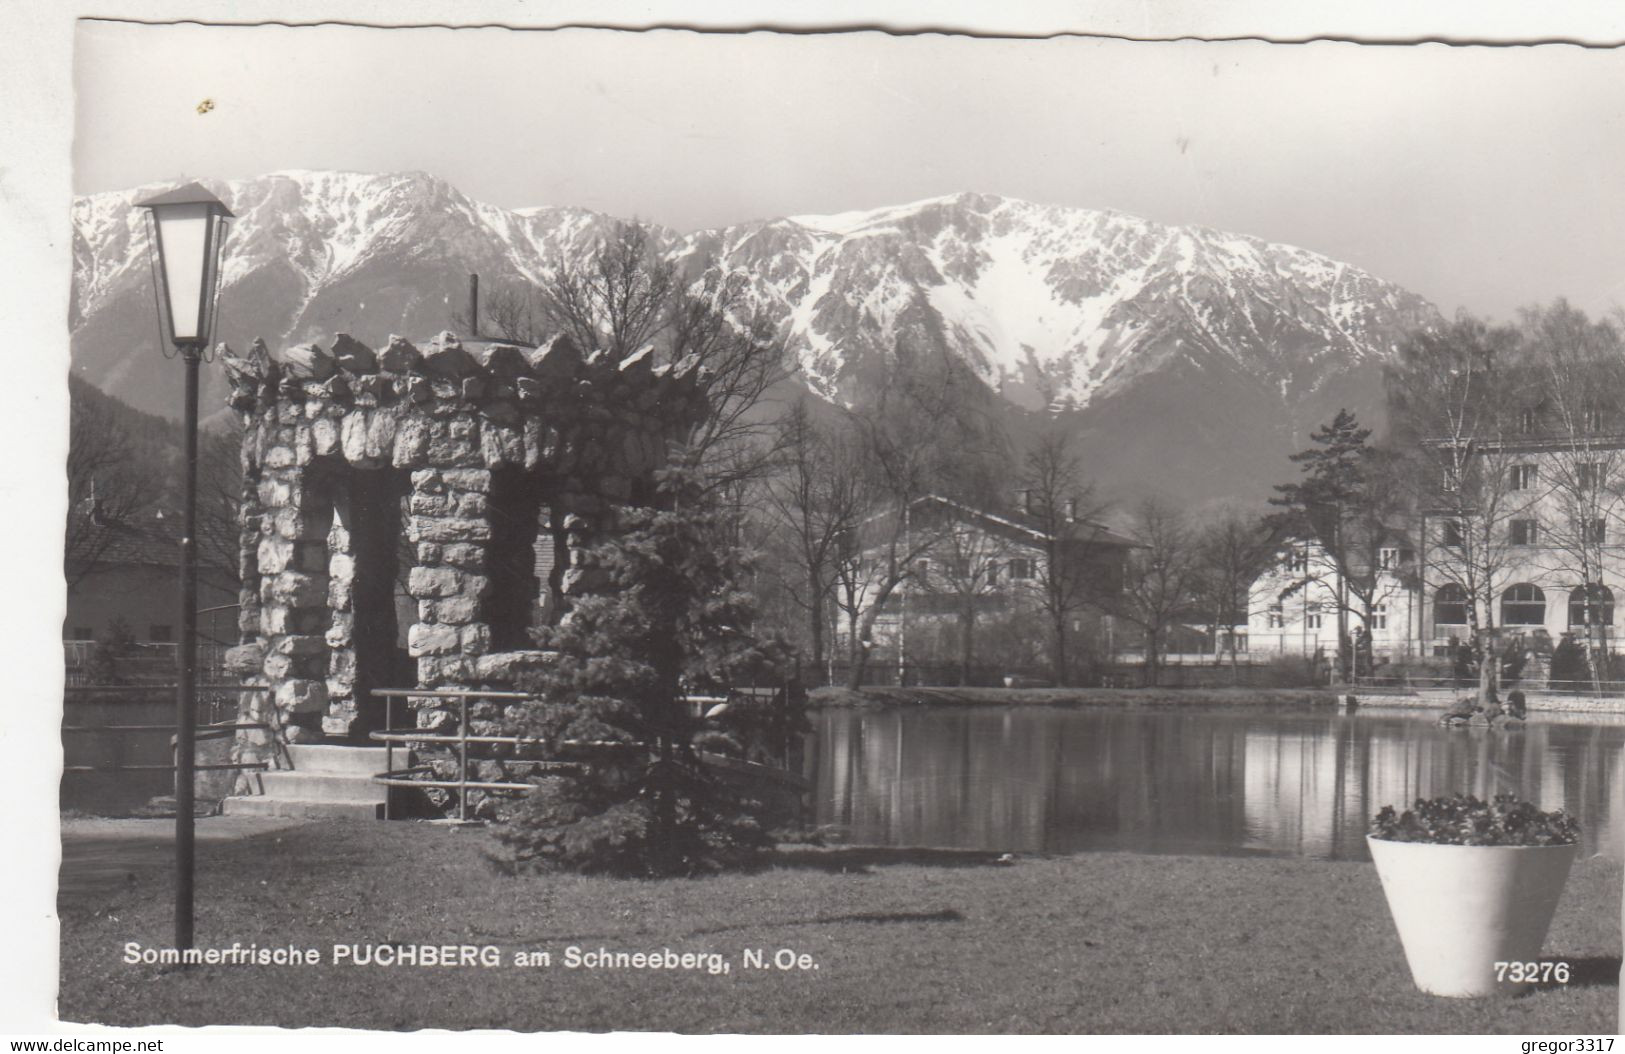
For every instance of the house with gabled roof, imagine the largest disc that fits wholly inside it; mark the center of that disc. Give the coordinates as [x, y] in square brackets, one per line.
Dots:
[973, 566]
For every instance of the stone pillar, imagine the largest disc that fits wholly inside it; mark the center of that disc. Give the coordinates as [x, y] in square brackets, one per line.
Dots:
[292, 561]
[247, 660]
[449, 529]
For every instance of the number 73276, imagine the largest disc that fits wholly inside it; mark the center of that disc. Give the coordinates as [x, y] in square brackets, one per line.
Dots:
[1532, 972]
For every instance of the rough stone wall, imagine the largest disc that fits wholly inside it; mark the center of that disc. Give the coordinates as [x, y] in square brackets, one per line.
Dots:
[590, 431]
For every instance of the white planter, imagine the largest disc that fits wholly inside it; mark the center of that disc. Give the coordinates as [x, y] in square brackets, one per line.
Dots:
[1460, 909]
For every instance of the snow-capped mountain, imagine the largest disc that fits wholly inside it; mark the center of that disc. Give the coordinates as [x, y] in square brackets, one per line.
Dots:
[309, 255]
[1171, 349]
[1058, 306]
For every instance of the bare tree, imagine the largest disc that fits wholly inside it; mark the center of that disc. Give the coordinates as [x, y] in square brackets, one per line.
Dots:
[626, 295]
[1160, 577]
[1233, 547]
[111, 485]
[919, 434]
[965, 570]
[815, 504]
[1458, 407]
[1063, 507]
[220, 495]
[508, 312]
[1580, 364]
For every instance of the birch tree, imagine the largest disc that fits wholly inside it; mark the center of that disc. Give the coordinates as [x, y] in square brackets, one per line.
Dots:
[1578, 363]
[1457, 407]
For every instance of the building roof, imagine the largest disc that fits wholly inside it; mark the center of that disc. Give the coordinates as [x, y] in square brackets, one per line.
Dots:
[1079, 530]
[150, 541]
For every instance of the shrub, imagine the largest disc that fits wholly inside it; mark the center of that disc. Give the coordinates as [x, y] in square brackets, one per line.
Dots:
[1465, 820]
[1569, 669]
[1463, 663]
[1514, 657]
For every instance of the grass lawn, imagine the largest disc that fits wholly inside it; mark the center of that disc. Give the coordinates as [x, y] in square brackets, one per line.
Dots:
[1111, 697]
[905, 941]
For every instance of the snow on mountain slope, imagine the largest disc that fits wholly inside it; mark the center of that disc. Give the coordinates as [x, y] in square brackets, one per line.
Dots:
[1055, 305]
[309, 254]
[1057, 308]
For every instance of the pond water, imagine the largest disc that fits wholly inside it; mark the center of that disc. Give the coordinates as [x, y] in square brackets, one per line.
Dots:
[1283, 783]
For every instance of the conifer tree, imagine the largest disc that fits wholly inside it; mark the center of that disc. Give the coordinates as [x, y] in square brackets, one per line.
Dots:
[626, 790]
[1346, 504]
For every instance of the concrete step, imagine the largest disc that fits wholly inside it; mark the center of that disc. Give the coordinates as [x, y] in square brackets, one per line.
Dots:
[308, 810]
[302, 785]
[338, 759]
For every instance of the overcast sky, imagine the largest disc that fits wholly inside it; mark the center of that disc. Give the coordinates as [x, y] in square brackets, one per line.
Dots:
[1484, 178]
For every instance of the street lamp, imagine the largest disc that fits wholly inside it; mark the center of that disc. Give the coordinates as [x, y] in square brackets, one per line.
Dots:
[186, 228]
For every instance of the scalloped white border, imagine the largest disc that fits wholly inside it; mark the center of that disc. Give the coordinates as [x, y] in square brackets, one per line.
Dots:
[36, 119]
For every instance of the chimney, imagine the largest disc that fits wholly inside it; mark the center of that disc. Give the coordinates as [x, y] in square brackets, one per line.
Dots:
[1072, 510]
[1026, 499]
[474, 306]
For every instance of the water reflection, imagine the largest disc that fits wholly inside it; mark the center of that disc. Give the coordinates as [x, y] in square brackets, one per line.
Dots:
[1299, 783]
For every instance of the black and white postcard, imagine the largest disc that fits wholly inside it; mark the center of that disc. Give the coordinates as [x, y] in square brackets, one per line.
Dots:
[837, 530]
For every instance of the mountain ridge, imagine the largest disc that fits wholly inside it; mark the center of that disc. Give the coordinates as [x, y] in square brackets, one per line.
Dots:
[1056, 309]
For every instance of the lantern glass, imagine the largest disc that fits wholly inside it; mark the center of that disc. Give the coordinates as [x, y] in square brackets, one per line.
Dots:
[183, 236]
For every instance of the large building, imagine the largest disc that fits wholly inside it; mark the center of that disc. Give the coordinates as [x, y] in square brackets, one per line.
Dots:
[1533, 544]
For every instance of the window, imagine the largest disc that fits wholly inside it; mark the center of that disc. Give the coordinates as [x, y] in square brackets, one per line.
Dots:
[961, 568]
[1524, 476]
[1277, 617]
[1528, 421]
[1591, 606]
[922, 567]
[83, 633]
[160, 633]
[1379, 617]
[1449, 481]
[1523, 605]
[1588, 475]
[1450, 533]
[992, 574]
[1522, 532]
[1297, 561]
[1311, 616]
[1594, 532]
[1388, 558]
[1021, 568]
[1593, 420]
[1450, 606]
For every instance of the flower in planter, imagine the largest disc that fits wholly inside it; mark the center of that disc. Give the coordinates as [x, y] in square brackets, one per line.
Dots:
[1465, 820]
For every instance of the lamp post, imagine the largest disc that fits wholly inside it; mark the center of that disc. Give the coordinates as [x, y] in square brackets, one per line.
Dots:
[186, 228]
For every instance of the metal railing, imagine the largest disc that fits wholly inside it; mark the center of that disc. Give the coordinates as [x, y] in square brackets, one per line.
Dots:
[392, 737]
[207, 730]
